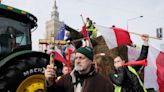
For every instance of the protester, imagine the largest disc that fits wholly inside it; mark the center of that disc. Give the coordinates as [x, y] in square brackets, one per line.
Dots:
[89, 26]
[94, 32]
[66, 70]
[125, 78]
[83, 78]
[103, 64]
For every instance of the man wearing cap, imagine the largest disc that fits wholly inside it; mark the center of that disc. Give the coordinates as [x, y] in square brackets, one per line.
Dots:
[83, 78]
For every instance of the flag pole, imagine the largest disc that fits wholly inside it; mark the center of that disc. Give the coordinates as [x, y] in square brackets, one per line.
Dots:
[87, 32]
[82, 19]
[141, 35]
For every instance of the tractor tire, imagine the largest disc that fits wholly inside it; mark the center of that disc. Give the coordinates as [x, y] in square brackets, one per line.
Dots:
[24, 73]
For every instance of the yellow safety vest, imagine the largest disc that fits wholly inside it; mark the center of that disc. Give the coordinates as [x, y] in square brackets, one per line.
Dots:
[91, 27]
[117, 88]
[94, 33]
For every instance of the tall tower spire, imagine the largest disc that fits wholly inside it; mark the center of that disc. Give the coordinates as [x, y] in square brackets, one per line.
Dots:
[55, 13]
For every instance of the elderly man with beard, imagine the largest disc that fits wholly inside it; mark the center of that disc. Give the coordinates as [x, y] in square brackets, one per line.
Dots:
[83, 78]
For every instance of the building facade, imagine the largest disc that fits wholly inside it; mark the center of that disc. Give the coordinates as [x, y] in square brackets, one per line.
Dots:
[52, 27]
[54, 24]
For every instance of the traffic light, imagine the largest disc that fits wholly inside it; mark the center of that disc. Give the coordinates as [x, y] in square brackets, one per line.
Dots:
[159, 33]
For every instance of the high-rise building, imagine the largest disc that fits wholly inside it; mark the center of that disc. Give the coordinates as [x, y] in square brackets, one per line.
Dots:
[53, 25]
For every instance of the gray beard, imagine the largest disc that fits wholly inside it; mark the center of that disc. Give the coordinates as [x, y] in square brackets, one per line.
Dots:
[81, 70]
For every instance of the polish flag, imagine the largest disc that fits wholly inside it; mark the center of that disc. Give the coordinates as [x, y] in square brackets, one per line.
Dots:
[114, 37]
[154, 71]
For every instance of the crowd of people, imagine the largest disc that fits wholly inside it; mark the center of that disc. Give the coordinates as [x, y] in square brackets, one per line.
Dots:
[84, 76]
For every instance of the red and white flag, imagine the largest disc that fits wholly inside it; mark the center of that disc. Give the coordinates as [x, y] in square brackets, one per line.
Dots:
[114, 37]
[154, 71]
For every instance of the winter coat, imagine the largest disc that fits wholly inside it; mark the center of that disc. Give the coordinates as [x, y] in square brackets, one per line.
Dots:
[127, 78]
[92, 82]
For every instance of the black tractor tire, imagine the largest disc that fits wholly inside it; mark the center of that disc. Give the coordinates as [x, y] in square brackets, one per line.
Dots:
[20, 68]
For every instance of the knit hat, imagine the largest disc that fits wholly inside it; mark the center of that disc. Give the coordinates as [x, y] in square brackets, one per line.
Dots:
[87, 51]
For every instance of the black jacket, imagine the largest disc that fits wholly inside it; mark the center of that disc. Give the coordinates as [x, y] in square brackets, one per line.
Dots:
[126, 79]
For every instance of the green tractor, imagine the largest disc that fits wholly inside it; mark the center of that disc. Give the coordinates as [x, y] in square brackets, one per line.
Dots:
[21, 69]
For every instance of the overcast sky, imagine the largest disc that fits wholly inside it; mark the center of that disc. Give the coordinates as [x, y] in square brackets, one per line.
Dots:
[103, 12]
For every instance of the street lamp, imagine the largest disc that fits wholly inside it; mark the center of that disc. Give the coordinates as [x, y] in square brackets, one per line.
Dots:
[133, 19]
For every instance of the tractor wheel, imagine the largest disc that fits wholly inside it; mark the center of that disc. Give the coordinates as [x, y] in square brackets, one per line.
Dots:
[24, 73]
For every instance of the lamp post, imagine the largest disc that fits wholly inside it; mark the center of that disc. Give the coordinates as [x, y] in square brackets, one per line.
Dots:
[133, 19]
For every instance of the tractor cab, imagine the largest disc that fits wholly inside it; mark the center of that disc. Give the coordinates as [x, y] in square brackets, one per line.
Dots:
[15, 29]
[21, 69]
